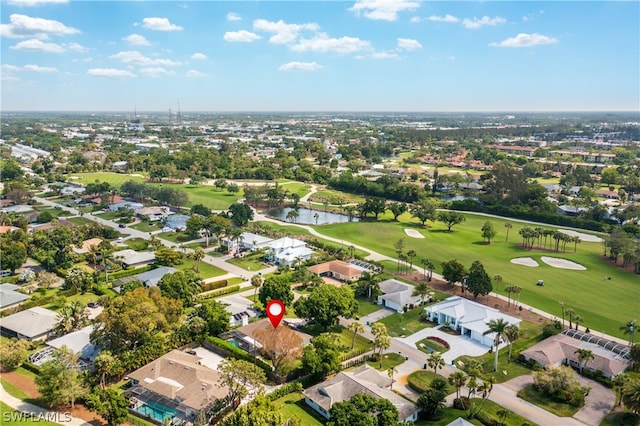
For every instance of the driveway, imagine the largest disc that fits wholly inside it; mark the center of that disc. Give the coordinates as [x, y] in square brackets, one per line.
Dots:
[458, 345]
[597, 404]
[376, 316]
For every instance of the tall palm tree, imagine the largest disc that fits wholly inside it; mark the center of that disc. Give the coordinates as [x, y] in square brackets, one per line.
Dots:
[72, 317]
[630, 329]
[411, 254]
[508, 226]
[94, 251]
[435, 361]
[570, 313]
[197, 255]
[509, 290]
[390, 372]
[256, 282]
[107, 255]
[421, 289]
[496, 326]
[511, 332]
[584, 356]
[458, 379]
[577, 320]
[631, 396]
[355, 327]
[370, 282]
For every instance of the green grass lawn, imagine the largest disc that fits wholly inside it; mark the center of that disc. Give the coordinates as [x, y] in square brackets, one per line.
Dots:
[206, 270]
[621, 419]
[173, 236]
[79, 220]
[9, 419]
[13, 390]
[293, 406]
[530, 334]
[114, 179]
[346, 337]
[491, 408]
[146, 226]
[295, 187]
[389, 360]
[546, 403]
[448, 415]
[399, 325]
[437, 347]
[252, 262]
[366, 307]
[423, 378]
[83, 298]
[335, 197]
[603, 310]
[137, 244]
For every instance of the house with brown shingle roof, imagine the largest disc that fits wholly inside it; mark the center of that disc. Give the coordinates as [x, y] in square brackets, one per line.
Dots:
[560, 350]
[337, 269]
[176, 385]
[346, 384]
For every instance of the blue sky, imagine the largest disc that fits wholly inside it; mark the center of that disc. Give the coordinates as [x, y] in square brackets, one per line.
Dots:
[361, 55]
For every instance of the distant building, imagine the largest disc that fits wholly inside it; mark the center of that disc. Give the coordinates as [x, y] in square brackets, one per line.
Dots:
[338, 269]
[148, 279]
[397, 295]
[240, 309]
[130, 257]
[10, 297]
[153, 213]
[249, 241]
[125, 205]
[31, 324]
[86, 245]
[177, 222]
[363, 380]
[17, 209]
[286, 251]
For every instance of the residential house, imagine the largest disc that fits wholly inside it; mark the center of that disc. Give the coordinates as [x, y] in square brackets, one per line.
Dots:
[339, 270]
[175, 388]
[119, 165]
[177, 222]
[125, 205]
[153, 213]
[31, 324]
[86, 245]
[4, 229]
[249, 241]
[362, 380]
[240, 309]
[471, 318]
[78, 341]
[17, 209]
[286, 251]
[397, 295]
[10, 297]
[130, 257]
[610, 358]
[568, 210]
[246, 337]
[97, 200]
[148, 279]
[72, 189]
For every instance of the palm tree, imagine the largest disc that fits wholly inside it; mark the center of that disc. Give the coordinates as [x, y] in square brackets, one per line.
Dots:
[256, 282]
[435, 361]
[411, 254]
[421, 289]
[510, 289]
[631, 396]
[508, 226]
[630, 329]
[390, 372]
[577, 320]
[234, 235]
[571, 313]
[370, 282]
[619, 382]
[584, 356]
[458, 379]
[356, 327]
[496, 326]
[107, 255]
[94, 251]
[72, 317]
[197, 255]
[316, 216]
[502, 415]
[511, 332]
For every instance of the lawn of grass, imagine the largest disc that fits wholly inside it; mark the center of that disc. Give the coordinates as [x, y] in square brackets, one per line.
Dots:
[491, 408]
[83, 298]
[145, 226]
[423, 378]
[9, 419]
[293, 406]
[346, 337]
[603, 310]
[400, 325]
[389, 360]
[335, 197]
[295, 188]
[137, 244]
[431, 344]
[530, 334]
[114, 179]
[252, 262]
[206, 270]
[79, 220]
[621, 419]
[13, 390]
[173, 236]
[447, 416]
[365, 307]
[559, 409]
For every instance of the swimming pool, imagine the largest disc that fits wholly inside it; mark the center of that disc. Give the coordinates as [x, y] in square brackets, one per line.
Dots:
[156, 411]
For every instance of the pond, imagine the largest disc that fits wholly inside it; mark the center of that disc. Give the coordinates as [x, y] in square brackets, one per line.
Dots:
[307, 216]
[451, 197]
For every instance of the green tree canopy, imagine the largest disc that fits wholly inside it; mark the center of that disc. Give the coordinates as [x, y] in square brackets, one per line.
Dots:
[478, 281]
[325, 304]
[276, 287]
[181, 285]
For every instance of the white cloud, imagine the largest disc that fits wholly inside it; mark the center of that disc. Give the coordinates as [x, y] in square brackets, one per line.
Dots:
[283, 33]
[155, 72]
[38, 68]
[136, 40]
[137, 58]
[415, 19]
[300, 66]
[446, 18]
[232, 16]
[475, 23]
[198, 56]
[409, 44]
[75, 47]
[23, 26]
[9, 68]
[384, 55]
[32, 3]
[195, 74]
[110, 73]
[525, 40]
[35, 45]
[383, 10]
[322, 43]
[160, 24]
[241, 36]
[451, 58]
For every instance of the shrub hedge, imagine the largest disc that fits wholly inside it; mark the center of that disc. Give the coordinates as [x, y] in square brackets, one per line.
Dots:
[214, 285]
[225, 290]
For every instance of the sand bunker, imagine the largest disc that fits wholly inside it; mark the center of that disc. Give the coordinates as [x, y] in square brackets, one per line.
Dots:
[413, 233]
[525, 261]
[583, 237]
[562, 263]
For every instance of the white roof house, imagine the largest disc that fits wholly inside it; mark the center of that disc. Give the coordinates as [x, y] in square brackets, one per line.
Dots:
[286, 251]
[19, 208]
[134, 258]
[250, 241]
[471, 318]
[150, 278]
[9, 296]
[78, 341]
[125, 205]
[240, 308]
[31, 324]
[396, 295]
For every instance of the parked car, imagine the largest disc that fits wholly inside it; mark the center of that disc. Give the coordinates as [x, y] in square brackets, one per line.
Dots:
[92, 305]
[540, 283]
[122, 225]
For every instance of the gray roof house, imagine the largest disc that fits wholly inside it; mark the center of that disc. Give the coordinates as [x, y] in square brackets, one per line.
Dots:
[177, 222]
[134, 258]
[364, 379]
[150, 278]
[78, 341]
[10, 297]
[125, 205]
[31, 324]
[396, 295]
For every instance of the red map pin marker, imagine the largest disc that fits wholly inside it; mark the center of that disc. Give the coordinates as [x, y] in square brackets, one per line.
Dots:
[275, 312]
